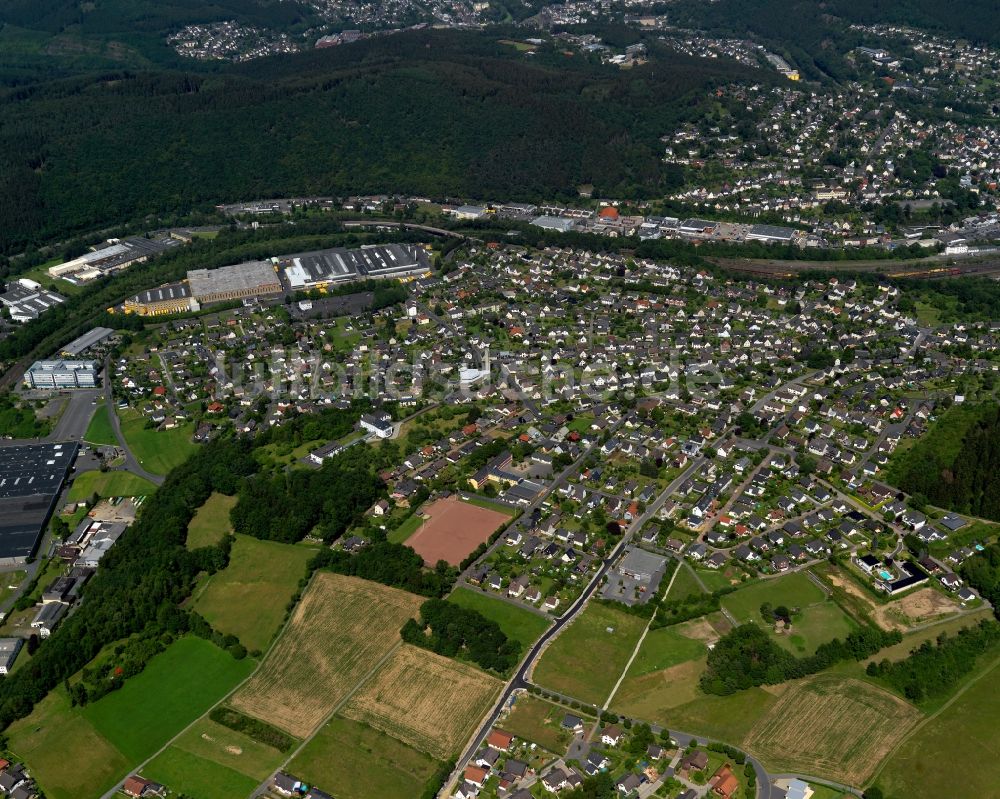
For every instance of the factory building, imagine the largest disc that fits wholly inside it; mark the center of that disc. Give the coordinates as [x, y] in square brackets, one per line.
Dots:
[250, 279]
[61, 374]
[173, 298]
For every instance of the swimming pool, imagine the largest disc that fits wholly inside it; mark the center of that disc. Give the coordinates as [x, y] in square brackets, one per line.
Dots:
[885, 574]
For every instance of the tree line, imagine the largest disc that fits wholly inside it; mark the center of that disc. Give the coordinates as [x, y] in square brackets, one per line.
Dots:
[453, 631]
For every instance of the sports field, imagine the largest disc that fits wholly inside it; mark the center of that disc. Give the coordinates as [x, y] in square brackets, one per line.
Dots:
[109, 484]
[425, 700]
[587, 658]
[211, 522]
[340, 631]
[158, 451]
[358, 762]
[959, 746]
[522, 625]
[831, 727]
[453, 530]
[248, 598]
[175, 688]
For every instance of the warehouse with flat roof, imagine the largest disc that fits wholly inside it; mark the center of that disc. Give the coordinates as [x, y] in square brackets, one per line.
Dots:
[31, 479]
[172, 298]
[324, 268]
[771, 234]
[89, 339]
[250, 279]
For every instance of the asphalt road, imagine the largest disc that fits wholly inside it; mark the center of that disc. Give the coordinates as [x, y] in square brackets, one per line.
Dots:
[131, 463]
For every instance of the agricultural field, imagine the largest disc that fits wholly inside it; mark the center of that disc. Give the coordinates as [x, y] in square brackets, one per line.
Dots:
[425, 700]
[248, 598]
[211, 523]
[666, 647]
[108, 484]
[339, 632]
[601, 635]
[159, 451]
[453, 530]
[55, 740]
[99, 430]
[831, 727]
[192, 776]
[962, 736]
[175, 688]
[359, 762]
[537, 720]
[517, 623]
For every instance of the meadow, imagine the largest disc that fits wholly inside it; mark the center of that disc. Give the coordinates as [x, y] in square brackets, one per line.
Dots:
[158, 451]
[359, 762]
[211, 523]
[248, 598]
[99, 430]
[108, 484]
[537, 720]
[195, 777]
[587, 658]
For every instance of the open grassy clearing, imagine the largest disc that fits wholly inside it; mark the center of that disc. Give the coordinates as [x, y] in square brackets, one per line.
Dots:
[664, 648]
[816, 625]
[211, 523]
[175, 688]
[211, 741]
[358, 762]
[99, 430]
[109, 484]
[195, 777]
[339, 631]
[248, 598]
[425, 700]
[831, 727]
[64, 751]
[912, 640]
[586, 660]
[685, 584]
[537, 720]
[406, 529]
[522, 625]
[654, 695]
[960, 740]
[714, 580]
[794, 590]
[158, 451]
[728, 718]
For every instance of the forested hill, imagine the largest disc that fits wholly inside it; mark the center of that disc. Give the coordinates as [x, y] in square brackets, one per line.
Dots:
[957, 465]
[430, 112]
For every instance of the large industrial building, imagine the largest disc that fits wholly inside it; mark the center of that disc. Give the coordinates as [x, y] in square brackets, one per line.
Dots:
[26, 300]
[115, 256]
[31, 479]
[250, 279]
[326, 268]
[174, 298]
[89, 339]
[61, 374]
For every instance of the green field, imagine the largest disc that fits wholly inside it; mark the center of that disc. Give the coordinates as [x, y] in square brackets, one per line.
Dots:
[499, 507]
[235, 751]
[175, 688]
[522, 625]
[684, 583]
[189, 775]
[354, 761]
[664, 648]
[109, 484]
[960, 740]
[69, 758]
[714, 580]
[211, 522]
[586, 660]
[248, 598]
[99, 430]
[406, 529]
[537, 720]
[157, 451]
[728, 718]
[794, 590]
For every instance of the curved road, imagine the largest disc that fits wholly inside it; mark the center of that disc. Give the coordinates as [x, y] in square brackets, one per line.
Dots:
[131, 463]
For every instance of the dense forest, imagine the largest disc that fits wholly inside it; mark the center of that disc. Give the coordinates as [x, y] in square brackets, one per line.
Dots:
[957, 464]
[982, 572]
[438, 113]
